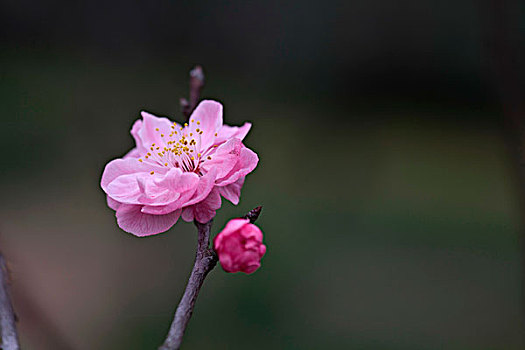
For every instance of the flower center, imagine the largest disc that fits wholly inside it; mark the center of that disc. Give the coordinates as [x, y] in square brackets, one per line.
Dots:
[179, 147]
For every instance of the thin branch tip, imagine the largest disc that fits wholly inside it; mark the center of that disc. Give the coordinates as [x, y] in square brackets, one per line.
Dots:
[197, 73]
[196, 85]
[253, 214]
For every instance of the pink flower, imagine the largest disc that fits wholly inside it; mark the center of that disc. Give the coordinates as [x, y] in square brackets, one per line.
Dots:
[240, 246]
[177, 170]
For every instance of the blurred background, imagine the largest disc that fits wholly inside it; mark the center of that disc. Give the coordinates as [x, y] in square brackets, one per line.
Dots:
[389, 138]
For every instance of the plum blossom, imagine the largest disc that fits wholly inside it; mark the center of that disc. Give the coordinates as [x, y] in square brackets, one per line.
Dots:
[239, 246]
[177, 170]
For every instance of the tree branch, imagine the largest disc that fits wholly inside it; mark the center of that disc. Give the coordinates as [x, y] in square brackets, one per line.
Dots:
[205, 257]
[7, 315]
[205, 261]
[253, 214]
[196, 85]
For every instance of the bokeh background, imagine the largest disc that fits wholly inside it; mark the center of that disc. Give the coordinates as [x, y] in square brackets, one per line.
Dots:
[391, 191]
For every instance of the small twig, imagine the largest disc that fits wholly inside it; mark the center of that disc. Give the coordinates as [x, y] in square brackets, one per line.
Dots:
[7, 315]
[253, 214]
[205, 261]
[196, 85]
[205, 257]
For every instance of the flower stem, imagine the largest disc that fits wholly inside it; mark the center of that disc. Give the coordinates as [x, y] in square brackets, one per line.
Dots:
[205, 261]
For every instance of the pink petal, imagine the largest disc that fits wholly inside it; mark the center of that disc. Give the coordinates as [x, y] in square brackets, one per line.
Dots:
[209, 115]
[232, 226]
[247, 161]
[251, 231]
[176, 181]
[228, 132]
[204, 187]
[187, 214]
[141, 147]
[119, 167]
[232, 192]
[224, 158]
[132, 220]
[205, 210]
[148, 133]
[113, 204]
[133, 189]
[195, 195]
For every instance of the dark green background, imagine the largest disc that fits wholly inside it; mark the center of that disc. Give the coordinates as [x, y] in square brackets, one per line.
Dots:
[391, 207]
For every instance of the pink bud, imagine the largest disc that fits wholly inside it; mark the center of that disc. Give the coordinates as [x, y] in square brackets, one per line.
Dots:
[239, 246]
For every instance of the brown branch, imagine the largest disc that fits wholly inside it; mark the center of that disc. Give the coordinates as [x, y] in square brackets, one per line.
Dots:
[205, 257]
[205, 261]
[196, 85]
[253, 214]
[7, 314]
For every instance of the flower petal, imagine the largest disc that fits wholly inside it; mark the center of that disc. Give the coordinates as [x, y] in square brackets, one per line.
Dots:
[113, 204]
[126, 180]
[205, 210]
[232, 192]
[140, 147]
[246, 162]
[204, 187]
[208, 114]
[152, 128]
[194, 195]
[132, 220]
[232, 226]
[228, 132]
[224, 158]
[119, 167]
